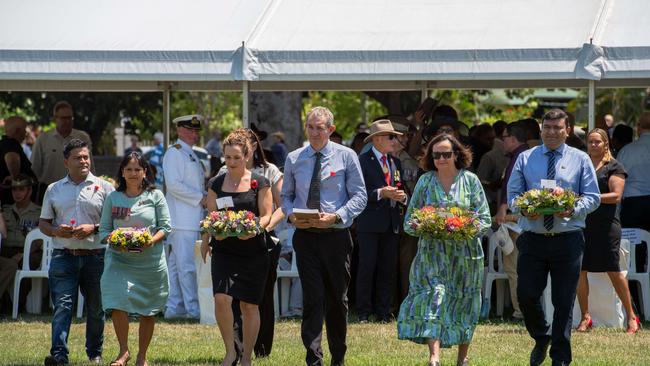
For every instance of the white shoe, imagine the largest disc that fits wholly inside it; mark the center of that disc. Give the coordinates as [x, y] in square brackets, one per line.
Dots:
[171, 315]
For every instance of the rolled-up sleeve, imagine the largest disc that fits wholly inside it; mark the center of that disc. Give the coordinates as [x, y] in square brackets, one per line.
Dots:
[516, 183]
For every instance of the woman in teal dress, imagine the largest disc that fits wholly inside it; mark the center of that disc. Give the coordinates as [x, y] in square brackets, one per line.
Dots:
[135, 282]
[444, 299]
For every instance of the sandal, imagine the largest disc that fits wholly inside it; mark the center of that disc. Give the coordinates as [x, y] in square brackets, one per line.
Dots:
[585, 324]
[117, 362]
[631, 330]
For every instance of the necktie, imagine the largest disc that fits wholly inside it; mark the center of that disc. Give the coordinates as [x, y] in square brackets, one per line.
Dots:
[550, 174]
[384, 168]
[313, 199]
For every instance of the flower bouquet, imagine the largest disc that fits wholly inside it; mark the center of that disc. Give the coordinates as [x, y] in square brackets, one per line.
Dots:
[444, 223]
[231, 223]
[546, 201]
[130, 239]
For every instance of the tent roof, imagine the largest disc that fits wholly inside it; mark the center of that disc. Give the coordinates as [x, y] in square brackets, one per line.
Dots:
[115, 45]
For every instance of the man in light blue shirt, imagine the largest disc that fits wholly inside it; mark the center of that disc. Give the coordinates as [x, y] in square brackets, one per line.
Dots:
[325, 176]
[552, 243]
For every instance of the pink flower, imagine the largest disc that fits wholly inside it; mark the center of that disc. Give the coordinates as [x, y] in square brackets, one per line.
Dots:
[398, 184]
[253, 184]
[72, 222]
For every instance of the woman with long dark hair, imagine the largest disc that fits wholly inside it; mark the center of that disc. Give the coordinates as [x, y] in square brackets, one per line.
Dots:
[135, 282]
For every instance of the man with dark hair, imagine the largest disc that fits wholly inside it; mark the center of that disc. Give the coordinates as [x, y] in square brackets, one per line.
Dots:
[552, 244]
[47, 161]
[622, 135]
[70, 215]
[572, 139]
[13, 159]
[532, 131]
[493, 163]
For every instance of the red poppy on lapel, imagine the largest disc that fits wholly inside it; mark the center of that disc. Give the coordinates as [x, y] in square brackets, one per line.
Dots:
[332, 174]
[96, 188]
[253, 184]
[72, 222]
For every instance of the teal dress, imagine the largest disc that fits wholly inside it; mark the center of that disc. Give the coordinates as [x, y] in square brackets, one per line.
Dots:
[136, 283]
[444, 298]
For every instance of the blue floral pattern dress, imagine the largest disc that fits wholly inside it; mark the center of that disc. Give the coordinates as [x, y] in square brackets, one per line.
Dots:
[444, 298]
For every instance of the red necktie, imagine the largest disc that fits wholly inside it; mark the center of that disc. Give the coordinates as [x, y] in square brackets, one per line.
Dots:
[384, 168]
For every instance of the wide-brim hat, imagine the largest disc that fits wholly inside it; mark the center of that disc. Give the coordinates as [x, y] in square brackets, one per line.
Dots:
[381, 127]
[191, 121]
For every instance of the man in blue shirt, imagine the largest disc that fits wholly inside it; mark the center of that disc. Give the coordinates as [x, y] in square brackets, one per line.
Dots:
[552, 243]
[325, 176]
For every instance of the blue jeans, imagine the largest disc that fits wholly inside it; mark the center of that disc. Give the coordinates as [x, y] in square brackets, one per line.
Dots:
[67, 274]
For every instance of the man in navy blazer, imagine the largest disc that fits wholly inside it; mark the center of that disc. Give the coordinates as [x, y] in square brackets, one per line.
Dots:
[379, 224]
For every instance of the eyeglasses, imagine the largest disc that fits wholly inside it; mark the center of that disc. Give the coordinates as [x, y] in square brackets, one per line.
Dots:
[392, 137]
[442, 154]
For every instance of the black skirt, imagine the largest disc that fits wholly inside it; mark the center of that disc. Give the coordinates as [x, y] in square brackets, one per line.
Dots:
[602, 241]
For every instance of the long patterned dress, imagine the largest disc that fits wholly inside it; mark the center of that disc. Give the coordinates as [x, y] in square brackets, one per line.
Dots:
[444, 298]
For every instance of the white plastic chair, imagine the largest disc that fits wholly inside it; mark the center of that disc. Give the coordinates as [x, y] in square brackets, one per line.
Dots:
[495, 274]
[38, 275]
[636, 236]
[284, 283]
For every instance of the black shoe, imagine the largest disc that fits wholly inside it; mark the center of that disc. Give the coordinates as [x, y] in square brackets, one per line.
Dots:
[538, 354]
[52, 361]
[560, 363]
[363, 319]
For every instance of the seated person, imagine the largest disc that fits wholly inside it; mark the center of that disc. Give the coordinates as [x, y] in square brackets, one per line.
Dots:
[20, 218]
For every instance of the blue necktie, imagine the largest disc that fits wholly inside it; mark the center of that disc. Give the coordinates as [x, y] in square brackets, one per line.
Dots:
[550, 174]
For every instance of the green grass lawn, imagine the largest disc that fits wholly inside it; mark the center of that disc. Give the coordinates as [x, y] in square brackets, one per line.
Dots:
[27, 342]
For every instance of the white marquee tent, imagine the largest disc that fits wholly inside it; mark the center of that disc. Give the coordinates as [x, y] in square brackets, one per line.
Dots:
[147, 45]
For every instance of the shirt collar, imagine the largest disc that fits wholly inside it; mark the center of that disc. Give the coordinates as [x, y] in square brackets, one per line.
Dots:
[378, 154]
[326, 150]
[559, 150]
[89, 179]
[184, 145]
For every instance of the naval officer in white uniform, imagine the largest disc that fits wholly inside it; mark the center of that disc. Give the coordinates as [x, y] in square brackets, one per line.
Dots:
[185, 182]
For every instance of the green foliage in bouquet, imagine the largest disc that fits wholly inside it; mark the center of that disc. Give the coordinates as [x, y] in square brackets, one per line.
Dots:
[546, 201]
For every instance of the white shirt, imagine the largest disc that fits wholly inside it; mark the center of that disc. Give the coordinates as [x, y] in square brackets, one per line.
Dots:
[65, 201]
[185, 182]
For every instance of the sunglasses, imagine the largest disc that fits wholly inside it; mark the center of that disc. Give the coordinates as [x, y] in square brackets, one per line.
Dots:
[442, 154]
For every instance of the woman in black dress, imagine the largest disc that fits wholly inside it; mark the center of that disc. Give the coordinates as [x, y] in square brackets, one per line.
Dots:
[603, 231]
[239, 265]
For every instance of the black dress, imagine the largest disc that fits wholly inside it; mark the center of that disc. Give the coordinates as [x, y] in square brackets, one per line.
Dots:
[603, 228]
[240, 267]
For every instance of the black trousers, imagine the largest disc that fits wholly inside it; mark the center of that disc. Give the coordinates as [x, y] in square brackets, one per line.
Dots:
[264, 342]
[634, 215]
[377, 271]
[561, 256]
[323, 261]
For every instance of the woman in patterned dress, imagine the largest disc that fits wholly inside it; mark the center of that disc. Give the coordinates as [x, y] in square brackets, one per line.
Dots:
[444, 299]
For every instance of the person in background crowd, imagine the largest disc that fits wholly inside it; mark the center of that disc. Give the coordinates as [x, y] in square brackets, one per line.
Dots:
[279, 149]
[186, 197]
[240, 264]
[514, 141]
[258, 165]
[378, 226]
[533, 132]
[13, 161]
[134, 146]
[29, 141]
[135, 283]
[155, 159]
[336, 137]
[635, 158]
[444, 299]
[573, 140]
[213, 147]
[622, 135]
[552, 244]
[327, 177]
[47, 160]
[603, 231]
[357, 142]
[493, 163]
[19, 219]
[70, 215]
[482, 141]
[609, 124]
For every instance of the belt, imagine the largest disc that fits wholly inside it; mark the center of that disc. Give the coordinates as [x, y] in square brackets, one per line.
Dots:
[325, 230]
[551, 235]
[82, 252]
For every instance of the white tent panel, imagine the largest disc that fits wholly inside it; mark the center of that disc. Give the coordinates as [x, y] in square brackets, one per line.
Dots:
[124, 40]
[624, 35]
[420, 39]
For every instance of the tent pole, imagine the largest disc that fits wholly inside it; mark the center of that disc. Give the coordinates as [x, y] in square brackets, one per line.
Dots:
[245, 103]
[592, 105]
[166, 114]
